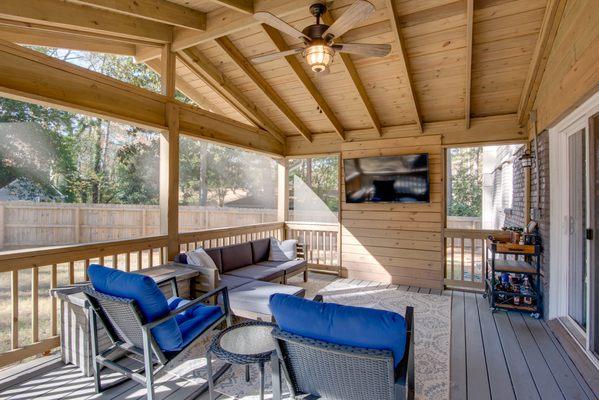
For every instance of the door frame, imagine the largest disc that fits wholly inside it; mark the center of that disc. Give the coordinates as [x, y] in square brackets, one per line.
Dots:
[559, 211]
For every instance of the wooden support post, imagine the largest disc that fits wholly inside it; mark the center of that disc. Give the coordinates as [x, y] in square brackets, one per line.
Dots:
[169, 181]
[282, 190]
[168, 76]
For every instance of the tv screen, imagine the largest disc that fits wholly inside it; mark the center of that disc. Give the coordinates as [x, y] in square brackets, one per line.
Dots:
[394, 179]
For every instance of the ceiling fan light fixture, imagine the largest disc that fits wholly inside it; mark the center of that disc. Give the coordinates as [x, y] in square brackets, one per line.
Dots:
[319, 57]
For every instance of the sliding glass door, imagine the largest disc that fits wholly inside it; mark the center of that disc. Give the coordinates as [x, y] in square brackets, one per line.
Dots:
[577, 219]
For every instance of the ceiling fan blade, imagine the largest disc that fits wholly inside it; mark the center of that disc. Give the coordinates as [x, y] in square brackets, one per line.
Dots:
[356, 13]
[275, 56]
[279, 24]
[364, 49]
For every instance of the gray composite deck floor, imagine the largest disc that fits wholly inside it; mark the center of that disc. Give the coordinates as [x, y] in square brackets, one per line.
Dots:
[493, 356]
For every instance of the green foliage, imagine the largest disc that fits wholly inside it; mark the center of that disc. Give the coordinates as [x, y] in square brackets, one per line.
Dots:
[322, 175]
[466, 182]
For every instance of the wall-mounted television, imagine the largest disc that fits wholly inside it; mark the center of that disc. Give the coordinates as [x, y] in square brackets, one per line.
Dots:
[389, 179]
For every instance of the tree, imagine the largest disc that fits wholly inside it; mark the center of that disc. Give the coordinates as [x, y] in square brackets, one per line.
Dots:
[466, 182]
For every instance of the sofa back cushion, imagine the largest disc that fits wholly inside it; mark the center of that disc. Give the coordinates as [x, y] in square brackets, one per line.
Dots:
[260, 250]
[213, 253]
[344, 325]
[236, 256]
[147, 295]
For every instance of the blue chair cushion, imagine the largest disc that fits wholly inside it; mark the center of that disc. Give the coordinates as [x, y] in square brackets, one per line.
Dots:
[194, 321]
[344, 325]
[146, 293]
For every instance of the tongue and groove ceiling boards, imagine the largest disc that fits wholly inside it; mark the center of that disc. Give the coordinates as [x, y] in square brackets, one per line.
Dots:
[450, 60]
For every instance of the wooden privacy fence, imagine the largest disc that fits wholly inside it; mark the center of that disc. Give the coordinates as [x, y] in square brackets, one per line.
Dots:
[30, 224]
[465, 257]
[29, 319]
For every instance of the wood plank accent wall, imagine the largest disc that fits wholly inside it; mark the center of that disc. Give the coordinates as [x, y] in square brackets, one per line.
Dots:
[397, 243]
[572, 71]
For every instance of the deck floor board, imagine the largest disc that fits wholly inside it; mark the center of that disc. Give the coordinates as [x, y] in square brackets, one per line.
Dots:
[501, 356]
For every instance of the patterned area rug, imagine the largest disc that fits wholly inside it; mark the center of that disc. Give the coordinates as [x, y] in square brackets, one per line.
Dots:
[432, 314]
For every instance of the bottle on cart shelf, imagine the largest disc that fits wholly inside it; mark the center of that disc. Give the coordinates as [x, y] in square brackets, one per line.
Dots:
[516, 300]
[526, 291]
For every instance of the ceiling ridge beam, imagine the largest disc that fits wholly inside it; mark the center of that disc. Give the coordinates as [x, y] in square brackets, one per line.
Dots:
[277, 39]
[404, 62]
[246, 66]
[469, 38]
[59, 14]
[225, 23]
[243, 6]
[549, 26]
[200, 65]
[154, 10]
[357, 82]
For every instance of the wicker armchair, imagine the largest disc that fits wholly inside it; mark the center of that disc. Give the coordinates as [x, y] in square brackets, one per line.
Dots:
[129, 333]
[330, 371]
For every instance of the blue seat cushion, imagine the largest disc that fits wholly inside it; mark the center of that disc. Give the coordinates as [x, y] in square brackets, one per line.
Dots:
[344, 325]
[148, 297]
[194, 321]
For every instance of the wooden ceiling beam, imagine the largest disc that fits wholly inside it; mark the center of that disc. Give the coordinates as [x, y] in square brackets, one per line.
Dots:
[469, 37]
[25, 36]
[277, 39]
[551, 21]
[246, 66]
[243, 6]
[28, 75]
[357, 82]
[200, 65]
[221, 23]
[184, 87]
[404, 62]
[60, 14]
[162, 11]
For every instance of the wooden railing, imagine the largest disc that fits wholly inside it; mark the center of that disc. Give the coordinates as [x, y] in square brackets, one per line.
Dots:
[322, 240]
[465, 257]
[29, 318]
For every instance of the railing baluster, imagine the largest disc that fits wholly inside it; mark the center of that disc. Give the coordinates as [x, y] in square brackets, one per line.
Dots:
[34, 304]
[101, 260]
[151, 258]
[71, 272]
[452, 256]
[127, 261]
[462, 267]
[161, 252]
[54, 313]
[15, 309]
[472, 260]
[139, 260]
[115, 261]
[85, 267]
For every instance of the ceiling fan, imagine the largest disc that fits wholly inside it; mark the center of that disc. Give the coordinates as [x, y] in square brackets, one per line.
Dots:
[320, 39]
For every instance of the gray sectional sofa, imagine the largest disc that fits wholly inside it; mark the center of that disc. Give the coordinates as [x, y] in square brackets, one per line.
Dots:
[250, 277]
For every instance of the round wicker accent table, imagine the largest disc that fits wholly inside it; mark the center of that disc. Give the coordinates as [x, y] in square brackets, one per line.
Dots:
[243, 344]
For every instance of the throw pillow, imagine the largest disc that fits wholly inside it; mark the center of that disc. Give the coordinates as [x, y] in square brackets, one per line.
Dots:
[200, 258]
[282, 251]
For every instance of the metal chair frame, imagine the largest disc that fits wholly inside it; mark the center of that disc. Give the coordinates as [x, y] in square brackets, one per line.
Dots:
[129, 332]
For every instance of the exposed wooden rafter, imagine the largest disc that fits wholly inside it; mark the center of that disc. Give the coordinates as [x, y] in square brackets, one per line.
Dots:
[355, 77]
[246, 66]
[469, 37]
[278, 41]
[219, 23]
[49, 81]
[549, 26]
[60, 14]
[206, 71]
[188, 90]
[404, 62]
[162, 11]
[244, 6]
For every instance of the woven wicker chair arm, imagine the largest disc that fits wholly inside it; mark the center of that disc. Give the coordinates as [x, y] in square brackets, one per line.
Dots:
[187, 306]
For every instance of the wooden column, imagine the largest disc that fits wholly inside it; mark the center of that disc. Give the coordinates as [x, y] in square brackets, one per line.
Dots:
[282, 190]
[169, 157]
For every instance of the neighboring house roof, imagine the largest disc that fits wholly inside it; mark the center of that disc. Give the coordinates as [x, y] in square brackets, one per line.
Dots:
[253, 202]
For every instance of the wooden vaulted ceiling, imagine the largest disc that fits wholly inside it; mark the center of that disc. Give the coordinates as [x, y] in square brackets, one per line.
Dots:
[451, 59]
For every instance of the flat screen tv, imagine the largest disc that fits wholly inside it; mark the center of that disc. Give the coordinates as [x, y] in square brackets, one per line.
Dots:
[393, 179]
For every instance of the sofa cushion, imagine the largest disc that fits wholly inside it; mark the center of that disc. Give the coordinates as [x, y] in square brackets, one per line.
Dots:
[236, 256]
[345, 325]
[285, 250]
[148, 297]
[232, 281]
[193, 321]
[288, 266]
[260, 250]
[213, 253]
[254, 295]
[258, 272]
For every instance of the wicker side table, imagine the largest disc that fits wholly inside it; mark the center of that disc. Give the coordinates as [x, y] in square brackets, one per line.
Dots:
[243, 344]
